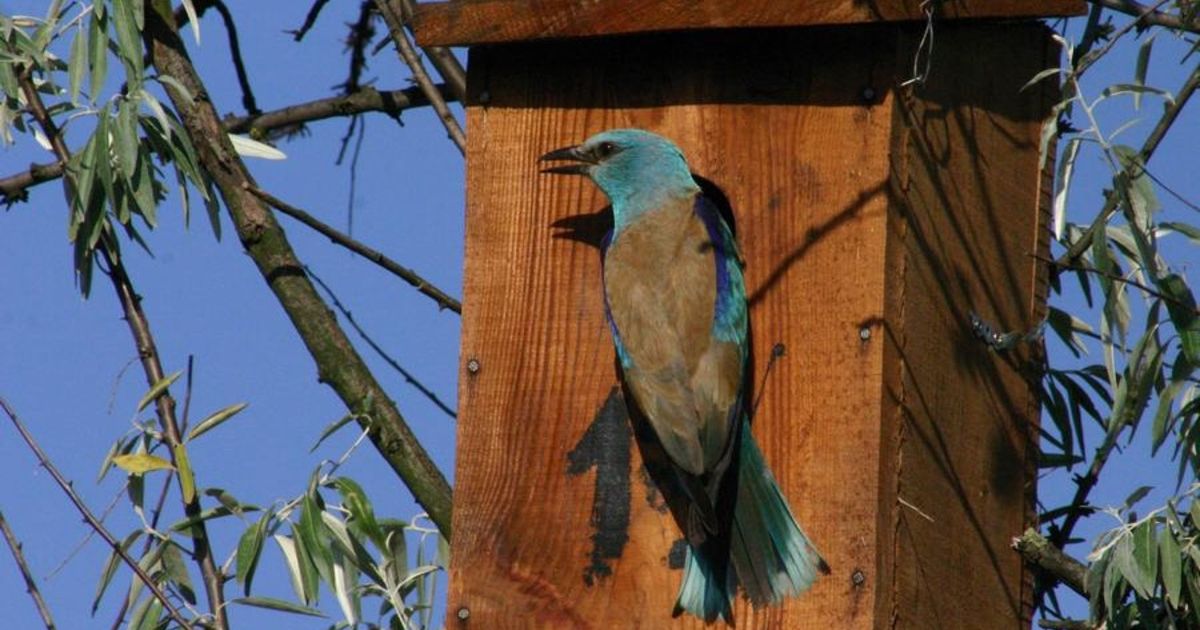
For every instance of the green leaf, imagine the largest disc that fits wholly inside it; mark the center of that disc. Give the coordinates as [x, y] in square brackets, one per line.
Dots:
[362, 515]
[1066, 168]
[313, 534]
[1145, 556]
[1137, 184]
[332, 428]
[1048, 72]
[97, 51]
[287, 545]
[129, 41]
[110, 568]
[309, 577]
[1171, 561]
[271, 603]
[141, 463]
[249, 550]
[1180, 377]
[210, 514]
[77, 64]
[345, 579]
[177, 572]
[157, 390]
[187, 481]
[1181, 307]
[145, 615]
[1135, 496]
[395, 563]
[193, 19]
[1190, 231]
[215, 420]
[121, 446]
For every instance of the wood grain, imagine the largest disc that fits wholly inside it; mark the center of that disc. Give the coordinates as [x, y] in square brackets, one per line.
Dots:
[820, 180]
[492, 21]
[971, 212]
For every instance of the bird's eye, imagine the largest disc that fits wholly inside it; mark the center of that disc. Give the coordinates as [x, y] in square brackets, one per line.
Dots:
[605, 149]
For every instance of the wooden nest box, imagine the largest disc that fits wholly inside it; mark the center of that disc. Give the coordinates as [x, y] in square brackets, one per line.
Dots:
[875, 214]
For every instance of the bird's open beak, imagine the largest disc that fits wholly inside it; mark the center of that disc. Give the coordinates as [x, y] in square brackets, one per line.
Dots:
[567, 153]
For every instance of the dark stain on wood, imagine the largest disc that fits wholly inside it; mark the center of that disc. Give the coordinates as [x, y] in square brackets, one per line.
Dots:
[605, 447]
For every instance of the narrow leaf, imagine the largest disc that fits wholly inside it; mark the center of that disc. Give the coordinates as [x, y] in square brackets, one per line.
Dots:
[215, 420]
[1066, 168]
[249, 147]
[110, 568]
[277, 604]
[78, 63]
[141, 463]
[249, 550]
[1171, 561]
[177, 572]
[187, 481]
[158, 389]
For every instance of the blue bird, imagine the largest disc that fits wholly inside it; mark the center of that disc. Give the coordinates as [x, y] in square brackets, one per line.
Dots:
[676, 306]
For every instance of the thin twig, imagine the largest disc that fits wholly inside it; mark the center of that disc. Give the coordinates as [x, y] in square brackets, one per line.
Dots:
[1156, 136]
[139, 326]
[1150, 17]
[437, 295]
[404, 47]
[442, 58]
[235, 51]
[91, 518]
[1151, 291]
[1112, 39]
[362, 31]
[1040, 552]
[14, 188]
[309, 20]
[30, 583]
[412, 380]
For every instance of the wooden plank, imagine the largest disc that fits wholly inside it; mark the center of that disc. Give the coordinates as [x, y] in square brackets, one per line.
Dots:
[892, 215]
[784, 130]
[971, 209]
[491, 21]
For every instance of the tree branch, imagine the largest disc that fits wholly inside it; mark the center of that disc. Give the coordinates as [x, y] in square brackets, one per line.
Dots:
[1156, 136]
[404, 273]
[1064, 624]
[235, 52]
[139, 326]
[30, 583]
[91, 518]
[1152, 18]
[1041, 553]
[404, 47]
[442, 58]
[338, 363]
[14, 188]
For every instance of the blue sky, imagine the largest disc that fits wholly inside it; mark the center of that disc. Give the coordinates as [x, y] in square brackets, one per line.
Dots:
[63, 359]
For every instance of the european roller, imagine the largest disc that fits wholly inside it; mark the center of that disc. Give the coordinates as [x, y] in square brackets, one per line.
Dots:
[676, 306]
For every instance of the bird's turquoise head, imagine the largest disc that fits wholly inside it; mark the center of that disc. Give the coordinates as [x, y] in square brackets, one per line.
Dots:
[636, 169]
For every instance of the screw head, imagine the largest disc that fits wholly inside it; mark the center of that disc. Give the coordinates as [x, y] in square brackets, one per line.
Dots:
[868, 94]
[864, 333]
[463, 613]
[473, 365]
[858, 578]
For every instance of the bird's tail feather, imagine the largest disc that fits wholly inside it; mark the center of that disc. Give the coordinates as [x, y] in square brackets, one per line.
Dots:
[703, 592]
[768, 553]
[772, 557]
